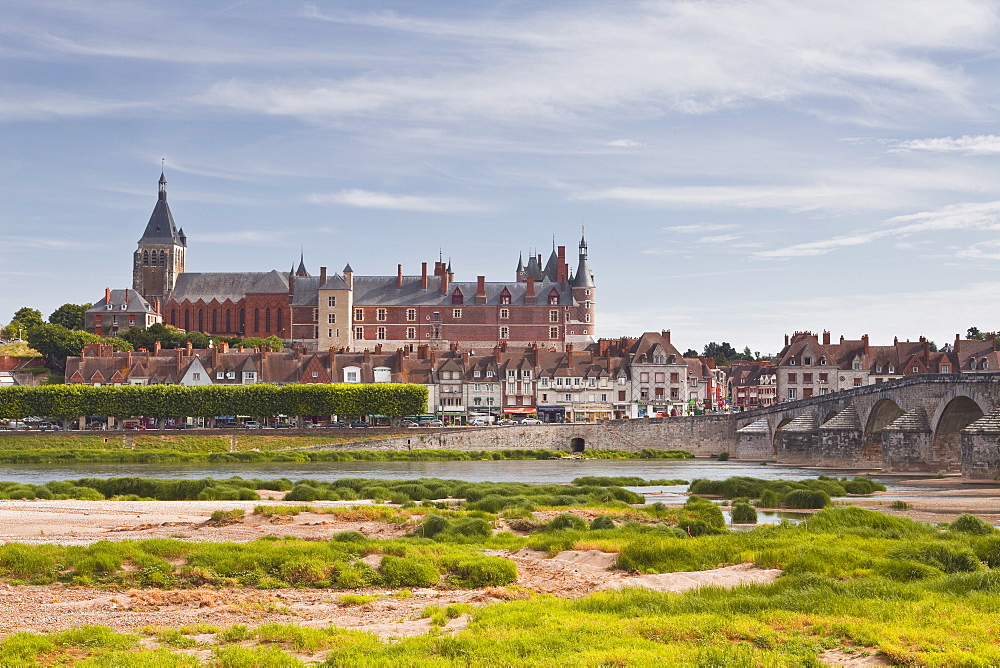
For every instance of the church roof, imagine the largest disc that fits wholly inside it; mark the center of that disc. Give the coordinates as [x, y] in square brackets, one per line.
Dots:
[161, 228]
[232, 285]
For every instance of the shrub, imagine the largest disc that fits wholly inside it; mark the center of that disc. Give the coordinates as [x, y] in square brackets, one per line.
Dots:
[408, 572]
[900, 505]
[769, 499]
[947, 557]
[482, 571]
[567, 521]
[742, 513]
[602, 522]
[805, 498]
[904, 570]
[970, 524]
[349, 537]
[468, 527]
[432, 526]
[703, 510]
[723, 457]
[355, 575]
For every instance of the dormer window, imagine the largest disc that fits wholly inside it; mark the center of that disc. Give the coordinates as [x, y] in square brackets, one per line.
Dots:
[505, 296]
[457, 297]
[791, 362]
[984, 364]
[807, 361]
[822, 361]
[110, 306]
[553, 296]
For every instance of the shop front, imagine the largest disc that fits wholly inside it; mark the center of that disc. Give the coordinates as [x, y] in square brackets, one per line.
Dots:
[550, 414]
[592, 412]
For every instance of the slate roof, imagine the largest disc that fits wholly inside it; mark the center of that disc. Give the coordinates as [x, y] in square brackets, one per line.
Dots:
[227, 285]
[382, 291]
[133, 301]
[161, 228]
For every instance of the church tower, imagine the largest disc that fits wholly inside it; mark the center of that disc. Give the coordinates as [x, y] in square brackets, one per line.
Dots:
[582, 323]
[160, 256]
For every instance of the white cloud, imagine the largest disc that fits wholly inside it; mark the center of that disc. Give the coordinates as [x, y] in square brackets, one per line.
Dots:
[692, 229]
[624, 143]
[985, 250]
[718, 238]
[647, 59]
[794, 198]
[966, 216]
[976, 144]
[367, 199]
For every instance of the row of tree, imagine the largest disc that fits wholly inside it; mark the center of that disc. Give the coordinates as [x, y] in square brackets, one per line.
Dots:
[66, 402]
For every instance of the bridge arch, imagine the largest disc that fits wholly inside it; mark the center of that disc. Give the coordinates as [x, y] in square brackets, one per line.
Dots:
[881, 415]
[577, 444]
[952, 418]
[776, 434]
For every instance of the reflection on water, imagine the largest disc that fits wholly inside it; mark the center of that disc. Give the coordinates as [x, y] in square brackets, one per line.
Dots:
[529, 471]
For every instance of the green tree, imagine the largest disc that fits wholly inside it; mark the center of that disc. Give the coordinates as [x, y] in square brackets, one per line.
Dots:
[690, 352]
[24, 319]
[69, 316]
[55, 342]
[972, 334]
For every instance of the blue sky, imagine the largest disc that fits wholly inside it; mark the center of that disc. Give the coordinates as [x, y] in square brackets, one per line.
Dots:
[743, 169]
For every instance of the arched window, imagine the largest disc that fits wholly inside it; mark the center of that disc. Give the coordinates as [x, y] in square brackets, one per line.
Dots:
[243, 321]
[267, 320]
[163, 258]
[201, 320]
[215, 320]
[187, 320]
[281, 320]
[256, 320]
[173, 317]
[457, 297]
[145, 258]
[229, 320]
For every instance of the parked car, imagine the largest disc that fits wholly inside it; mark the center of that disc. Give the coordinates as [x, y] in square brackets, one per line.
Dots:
[431, 423]
[505, 421]
[360, 423]
[228, 425]
[531, 421]
[409, 423]
[478, 423]
[282, 425]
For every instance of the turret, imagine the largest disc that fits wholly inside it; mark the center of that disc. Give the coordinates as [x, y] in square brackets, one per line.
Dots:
[160, 254]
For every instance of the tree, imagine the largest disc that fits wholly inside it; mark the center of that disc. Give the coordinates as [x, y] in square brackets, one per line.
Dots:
[55, 342]
[973, 334]
[24, 319]
[690, 353]
[932, 347]
[69, 316]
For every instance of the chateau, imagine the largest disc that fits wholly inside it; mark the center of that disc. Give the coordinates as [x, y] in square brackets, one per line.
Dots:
[544, 304]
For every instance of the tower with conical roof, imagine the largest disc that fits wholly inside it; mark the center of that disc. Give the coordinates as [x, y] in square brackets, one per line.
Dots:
[160, 255]
[584, 299]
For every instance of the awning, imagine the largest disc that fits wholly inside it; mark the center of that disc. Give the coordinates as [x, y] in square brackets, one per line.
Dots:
[527, 410]
[551, 409]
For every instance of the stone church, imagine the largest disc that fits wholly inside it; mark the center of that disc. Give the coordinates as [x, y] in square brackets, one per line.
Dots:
[545, 304]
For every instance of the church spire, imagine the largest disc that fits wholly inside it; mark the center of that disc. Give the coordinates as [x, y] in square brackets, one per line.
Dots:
[301, 271]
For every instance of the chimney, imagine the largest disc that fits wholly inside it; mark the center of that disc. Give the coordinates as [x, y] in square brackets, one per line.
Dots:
[826, 338]
[563, 270]
[291, 284]
[333, 362]
[156, 348]
[453, 346]
[178, 359]
[322, 276]
[399, 276]
[367, 356]
[128, 359]
[224, 345]
[569, 354]
[378, 348]
[107, 296]
[786, 339]
[422, 351]
[215, 356]
[433, 356]
[423, 275]
[927, 350]
[189, 347]
[444, 281]
[480, 289]
[146, 350]
[529, 295]
[156, 305]
[864, 340]
[895, 340]
[666, 335]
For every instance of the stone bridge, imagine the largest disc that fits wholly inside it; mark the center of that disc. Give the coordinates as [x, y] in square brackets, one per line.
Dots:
[931, 423]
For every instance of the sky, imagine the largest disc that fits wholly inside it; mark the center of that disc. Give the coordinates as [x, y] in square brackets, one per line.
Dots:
[743, 170]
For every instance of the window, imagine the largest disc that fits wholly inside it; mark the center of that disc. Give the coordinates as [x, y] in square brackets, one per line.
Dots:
[436, 317]
[807, 378]
[526, 374]
[380, 314]
[331, 318]
[267, 319]
[553, 297]
[793, 393]
[220, 375]
[822, 361]
[621, 395]
[592, 382]
[543, 381]
[505, 313]
[411, 314]
[196, 376]
[553, 316]
[917, 369]
[878, 369]
[823, 377]
[456, 313]
[359, 314]
[383, 374]
[984, 364]
[478, 401]
[331, 302]
[604, 397]
[351, 376]
[380, 333]
[436, 332]
[675, 378]
[475, 374]
[329, 333]
[489, 374]
[569, 397]
[660, 377]
[644, 393]
[504, 298]
[945, 368]
[489, 401]
[857, 382]
[505, 332]
[807, 361]
[658, 391]
[315, 315]
[553, 332]
[256, 320]
[857, 366]
[511, 373]
[793, 378]
[315, 374]
[644, 377]
[359, 333]
[411, 332]
[231, 375]
[675, 393]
